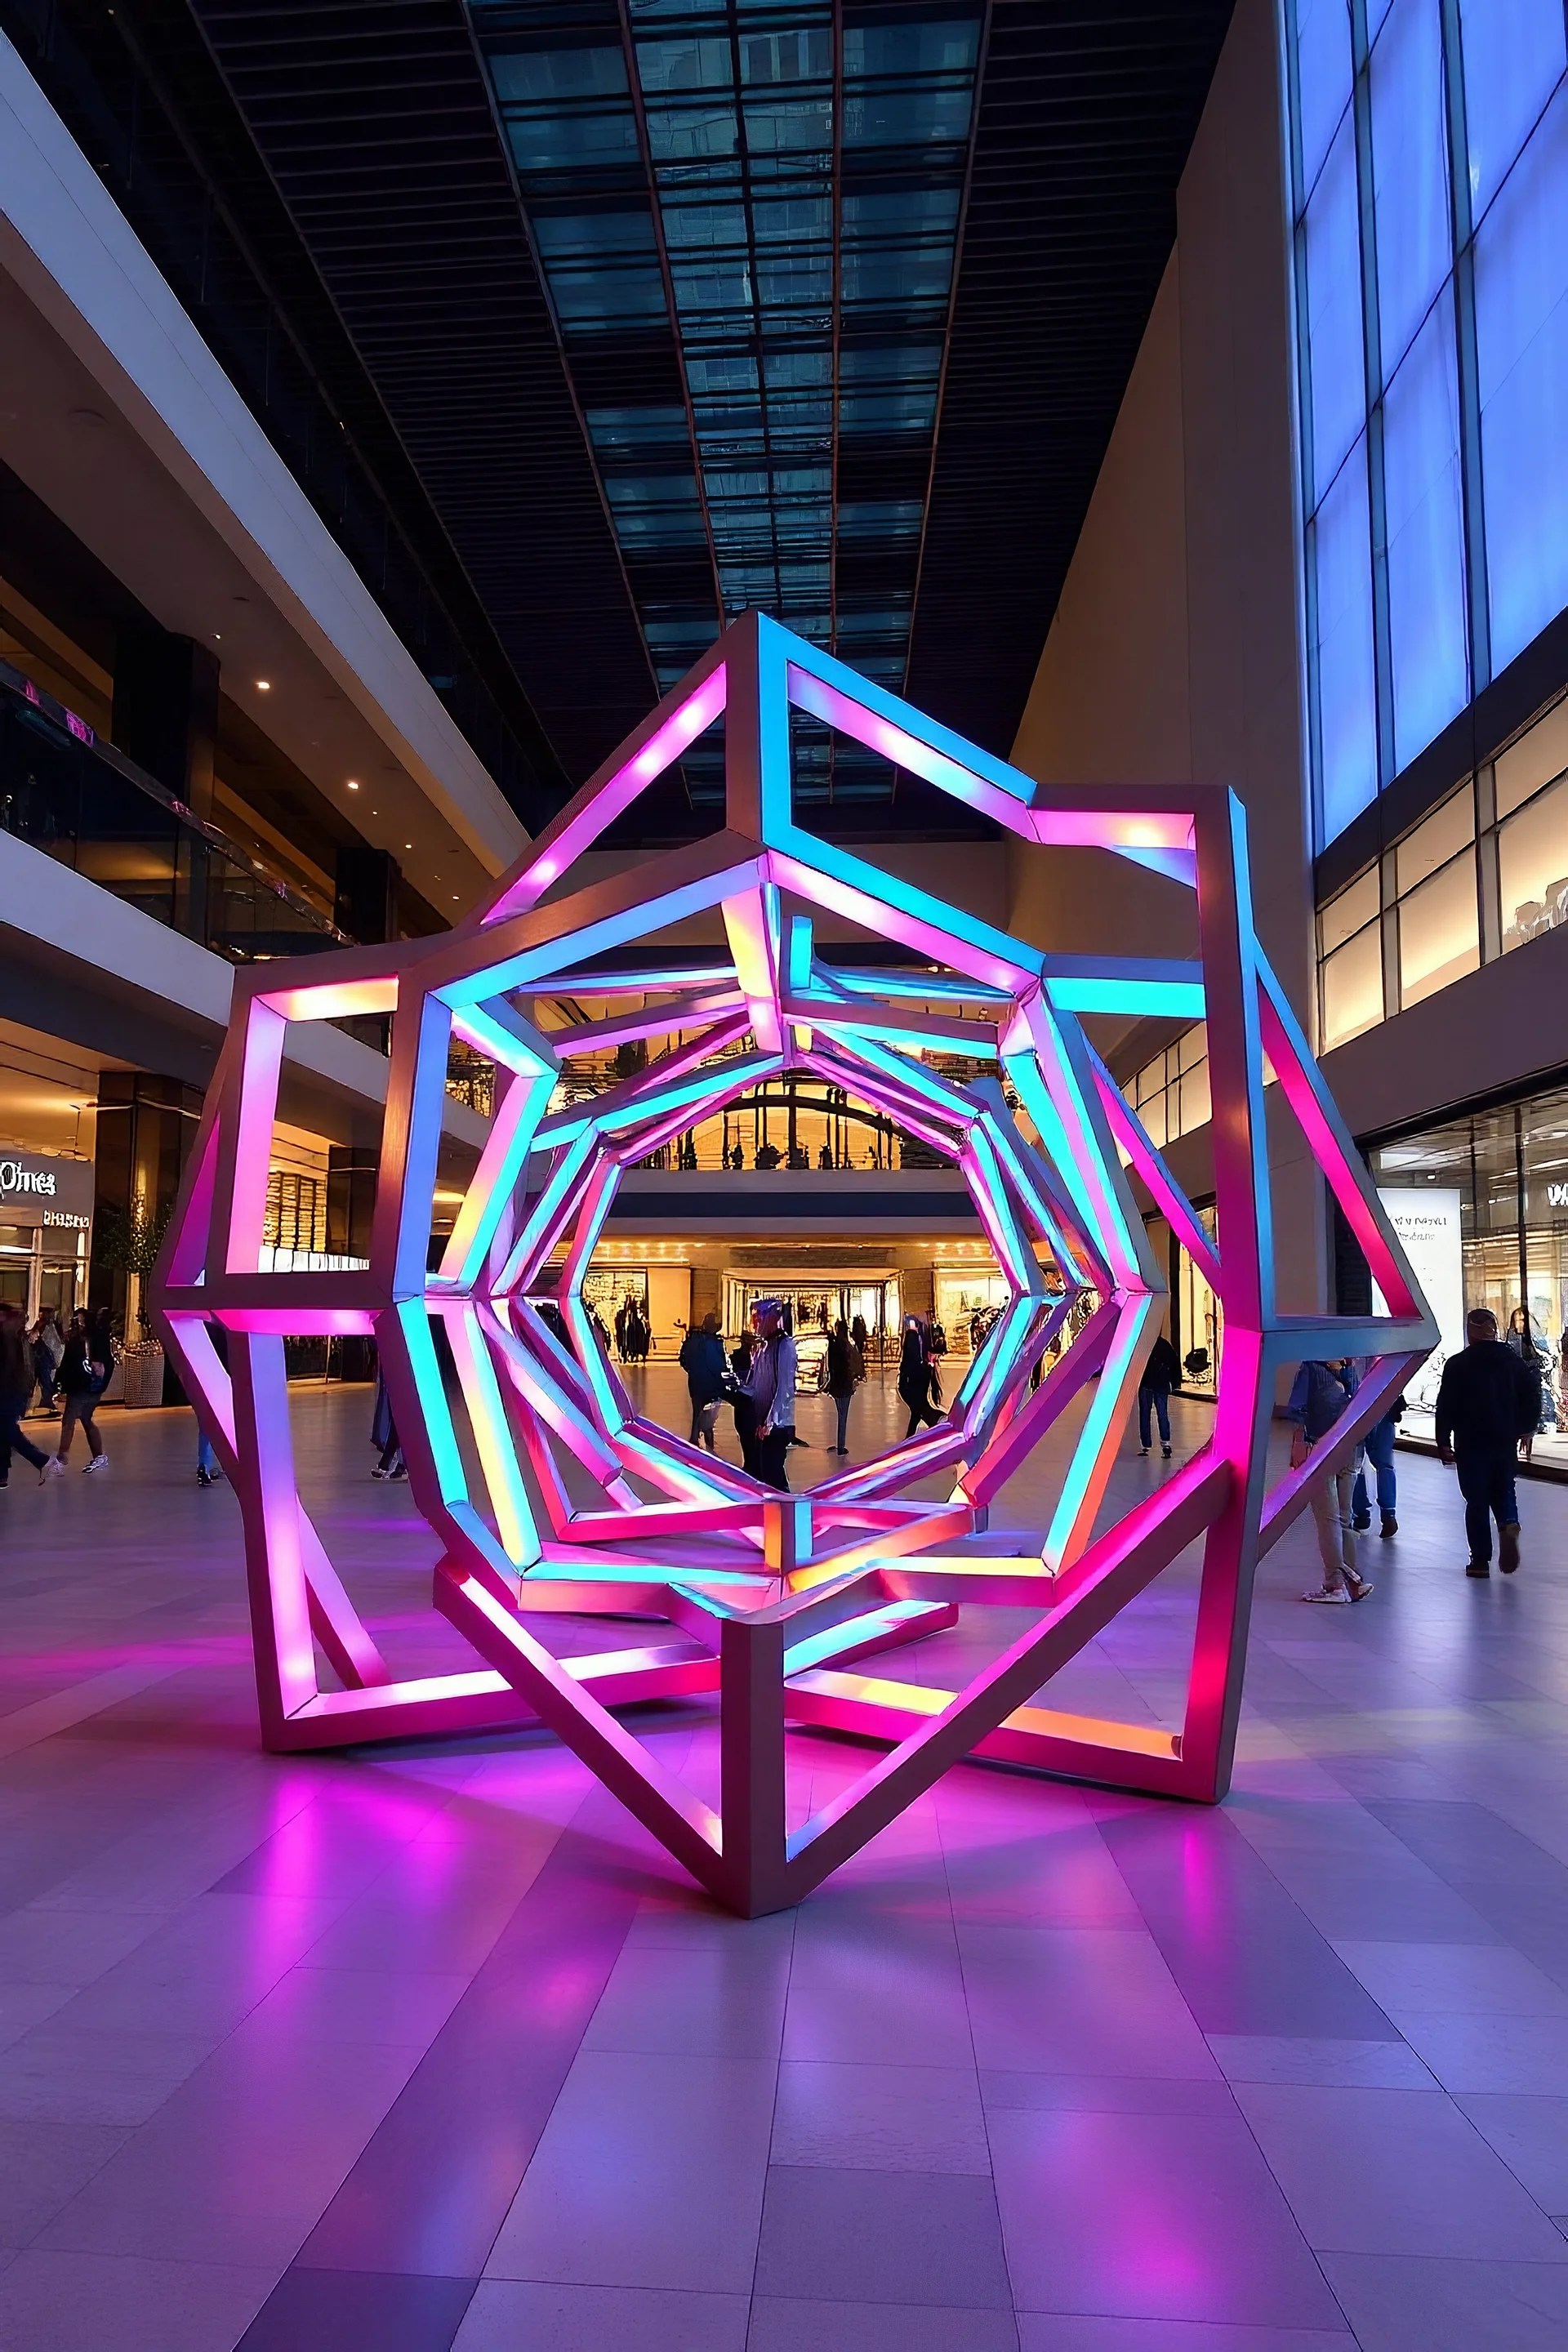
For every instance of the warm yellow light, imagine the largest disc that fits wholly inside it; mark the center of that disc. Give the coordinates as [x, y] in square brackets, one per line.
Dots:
[354, 785]
[264, 685]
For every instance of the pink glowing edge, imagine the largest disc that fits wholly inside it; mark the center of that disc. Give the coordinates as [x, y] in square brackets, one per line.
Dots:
[772, 1603]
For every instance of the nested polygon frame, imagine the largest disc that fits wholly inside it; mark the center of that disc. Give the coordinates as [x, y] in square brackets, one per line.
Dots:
[773, 1602]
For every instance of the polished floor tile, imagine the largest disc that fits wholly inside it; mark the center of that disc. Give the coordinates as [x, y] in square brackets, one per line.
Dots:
[1151, 2217]
[432, 2047]
[911, 2238]
[507, 2315]
[1393, 2172]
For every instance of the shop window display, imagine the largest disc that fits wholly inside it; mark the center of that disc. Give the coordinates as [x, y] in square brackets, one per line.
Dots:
[1481, 1204]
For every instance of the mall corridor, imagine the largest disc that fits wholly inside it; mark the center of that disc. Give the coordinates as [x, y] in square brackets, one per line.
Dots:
[431, 2047]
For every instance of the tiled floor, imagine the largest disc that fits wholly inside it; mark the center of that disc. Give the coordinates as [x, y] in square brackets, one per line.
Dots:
[410, 2050]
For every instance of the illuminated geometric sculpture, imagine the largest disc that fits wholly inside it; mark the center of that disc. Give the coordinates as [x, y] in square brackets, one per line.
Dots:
[549, 1492]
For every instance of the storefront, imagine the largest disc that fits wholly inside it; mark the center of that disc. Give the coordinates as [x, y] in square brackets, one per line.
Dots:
[1481, 1204]
[1195, 1320]
[46, 1228]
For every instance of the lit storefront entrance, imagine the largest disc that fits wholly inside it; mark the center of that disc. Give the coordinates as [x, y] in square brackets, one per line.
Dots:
[46, 1221]
[1481, 1204]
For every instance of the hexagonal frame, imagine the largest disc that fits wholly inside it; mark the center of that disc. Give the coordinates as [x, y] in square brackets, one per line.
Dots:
[776, 1597]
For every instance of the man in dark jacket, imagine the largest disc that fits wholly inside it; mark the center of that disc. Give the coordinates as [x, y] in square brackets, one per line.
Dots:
[1488, 1400]
[1160, 1374]
[702, 1362]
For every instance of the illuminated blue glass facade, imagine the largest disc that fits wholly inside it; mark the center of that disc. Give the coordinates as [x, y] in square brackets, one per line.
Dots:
[1430, 166]
[748, 218]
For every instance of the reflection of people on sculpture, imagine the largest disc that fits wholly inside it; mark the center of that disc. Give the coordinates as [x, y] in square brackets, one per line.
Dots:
[770, 1387]
[767, 1155]
[702, 1362]
[920, 1384]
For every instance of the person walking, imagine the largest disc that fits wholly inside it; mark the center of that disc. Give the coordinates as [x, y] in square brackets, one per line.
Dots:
[1377, 1447]
[771, 1386]
[15, 1388]
[919, 1382]
[1160, 1374]
[1521, 1341]
[1489, 1402]
[84, 1369]
[844, 1370]
[702, 1362]
[741, 1356]
[1322, 1390]
[48, 1347]
[383, 1432]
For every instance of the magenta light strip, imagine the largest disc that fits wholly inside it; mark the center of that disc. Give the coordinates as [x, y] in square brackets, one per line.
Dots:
[581, 1505]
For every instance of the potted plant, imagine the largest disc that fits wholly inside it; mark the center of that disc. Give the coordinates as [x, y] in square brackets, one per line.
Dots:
[130, 1245]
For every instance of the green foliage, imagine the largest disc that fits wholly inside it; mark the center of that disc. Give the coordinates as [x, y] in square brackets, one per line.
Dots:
[129, 1245]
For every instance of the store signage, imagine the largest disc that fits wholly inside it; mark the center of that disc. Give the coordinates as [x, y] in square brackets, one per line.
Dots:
[1426, 1218]
[1557, 1196]
[43, 1192]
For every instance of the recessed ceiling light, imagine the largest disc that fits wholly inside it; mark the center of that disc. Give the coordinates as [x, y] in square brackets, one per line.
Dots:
[264, 685]
[353, 787]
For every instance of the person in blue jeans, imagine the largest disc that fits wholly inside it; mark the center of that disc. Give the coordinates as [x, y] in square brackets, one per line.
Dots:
[1160, 1374]
[1377, 1447]
[1489, 1402]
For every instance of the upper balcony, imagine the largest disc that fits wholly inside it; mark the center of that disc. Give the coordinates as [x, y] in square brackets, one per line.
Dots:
[72, 795]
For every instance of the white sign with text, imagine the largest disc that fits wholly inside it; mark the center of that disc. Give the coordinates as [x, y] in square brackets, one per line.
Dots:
[1426, 1219]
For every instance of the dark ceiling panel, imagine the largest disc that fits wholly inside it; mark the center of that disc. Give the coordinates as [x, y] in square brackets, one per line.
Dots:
[376, 121]
[1088, 110]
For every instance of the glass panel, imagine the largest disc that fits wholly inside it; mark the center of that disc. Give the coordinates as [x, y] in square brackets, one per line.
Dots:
[1532, 867]
[1347, 710]
[1334, 342]
[1353, 988]
[1194, 1099]
[1323, 76]
[1345, 914]
[1513, 54]
[1424, 523]
[1193, 1047]
[1534, 760]
[1439, 934]
[1521, 334]
[1410, 172]
[1152, 1114]
[1445, 833]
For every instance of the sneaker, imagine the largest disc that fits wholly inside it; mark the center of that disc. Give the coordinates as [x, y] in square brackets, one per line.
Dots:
[1143, 1452]
[401, 1471]
[1166, 1452]
[379, 1473]
[1477, 1568]
[1361, 1526]
[53, 1469]
[98, 1462]
[204, 1477]
[1360, 1589]
[1335, 1594]
[1508, 1548]
[1390, 1526]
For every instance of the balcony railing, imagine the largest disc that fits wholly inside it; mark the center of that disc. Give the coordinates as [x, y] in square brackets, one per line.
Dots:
[68, 792]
